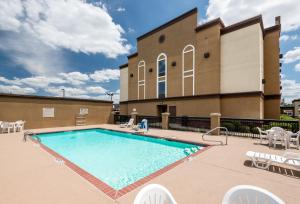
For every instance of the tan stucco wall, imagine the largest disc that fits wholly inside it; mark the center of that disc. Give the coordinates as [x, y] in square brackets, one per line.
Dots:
[229, 106]
[271, 63]
[148, 50]
[124, 84]
[30, 110]
[241, 60]
[272, 108]
[242, 107]
[207, 74]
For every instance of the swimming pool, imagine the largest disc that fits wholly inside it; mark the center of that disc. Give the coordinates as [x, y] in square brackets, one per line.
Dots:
[116, 158]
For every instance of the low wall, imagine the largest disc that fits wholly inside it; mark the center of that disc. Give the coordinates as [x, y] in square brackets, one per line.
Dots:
[35, 109]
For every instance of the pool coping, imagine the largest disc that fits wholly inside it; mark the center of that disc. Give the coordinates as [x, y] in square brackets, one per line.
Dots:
[107, 189]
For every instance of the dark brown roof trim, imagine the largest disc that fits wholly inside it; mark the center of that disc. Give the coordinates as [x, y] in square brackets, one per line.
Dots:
[209, 24]
[123, 66]
[132, 55]
[51, 98]
[204, 96]
[295, 100]
[243, 24]
[273, 28]
[171, 22]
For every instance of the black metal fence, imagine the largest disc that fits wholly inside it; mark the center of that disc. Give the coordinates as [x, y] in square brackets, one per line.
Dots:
[153, 121]
[248, 127]
[118, 119]
[197, 124]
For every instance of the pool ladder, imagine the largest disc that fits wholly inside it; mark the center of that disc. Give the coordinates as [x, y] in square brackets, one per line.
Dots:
[212, 130]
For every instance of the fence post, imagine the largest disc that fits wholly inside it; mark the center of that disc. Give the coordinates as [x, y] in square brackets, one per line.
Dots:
[215, 122]
[134, 115]
[165, 121]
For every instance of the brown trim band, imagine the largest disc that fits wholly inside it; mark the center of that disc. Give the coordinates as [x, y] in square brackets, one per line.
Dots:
[243, 24]
[123, 66]
[2, 95]
[275, 96]
[132, 55]
[210, 24]
[171, 22]
[204, 96]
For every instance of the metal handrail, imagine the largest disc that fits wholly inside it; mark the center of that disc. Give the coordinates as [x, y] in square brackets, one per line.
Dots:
[214, 129]
[28, 133]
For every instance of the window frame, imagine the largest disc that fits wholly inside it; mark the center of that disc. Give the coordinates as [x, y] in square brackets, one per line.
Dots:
[141, 64]
[161, 56]
[191, 72]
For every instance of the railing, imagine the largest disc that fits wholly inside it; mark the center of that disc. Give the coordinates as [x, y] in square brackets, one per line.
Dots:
[196, 124]
[153, 121]
[215, 129]
[247, 127]
[118, 119]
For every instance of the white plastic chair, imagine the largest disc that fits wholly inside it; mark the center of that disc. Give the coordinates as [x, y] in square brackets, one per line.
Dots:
[278, 134]
[246, 194]
[262, 134]
[154, 194]
[19, 125]
[7, 127]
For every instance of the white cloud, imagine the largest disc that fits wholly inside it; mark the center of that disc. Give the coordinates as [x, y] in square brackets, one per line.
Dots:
[131, 30]
[290, 90]
[16, 89]
[69, 91]
[121, 9]
[75, 78]
[232, 11]
[105, 75]
[297, 67]
[96, 90]
[292, 55]
[10, 11]
[288, 37]
[35, 32]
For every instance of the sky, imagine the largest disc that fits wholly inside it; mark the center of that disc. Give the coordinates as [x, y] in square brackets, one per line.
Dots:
[78, 45]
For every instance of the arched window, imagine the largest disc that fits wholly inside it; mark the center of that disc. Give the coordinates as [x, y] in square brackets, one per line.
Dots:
[188, 70]
[142, 80]
[162, 69]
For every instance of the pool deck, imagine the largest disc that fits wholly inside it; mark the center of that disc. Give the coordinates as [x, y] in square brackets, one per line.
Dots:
[28, 174]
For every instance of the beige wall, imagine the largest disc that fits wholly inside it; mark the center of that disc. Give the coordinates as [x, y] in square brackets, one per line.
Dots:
[272, 108]
[124, 84]
[242, 60]
[30, 110]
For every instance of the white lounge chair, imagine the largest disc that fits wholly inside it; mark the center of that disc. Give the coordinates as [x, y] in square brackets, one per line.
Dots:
[246, 194]
[128, 124]
[154, 194]
[264, 160]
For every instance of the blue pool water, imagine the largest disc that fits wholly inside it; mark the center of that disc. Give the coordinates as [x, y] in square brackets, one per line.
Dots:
[118, 159]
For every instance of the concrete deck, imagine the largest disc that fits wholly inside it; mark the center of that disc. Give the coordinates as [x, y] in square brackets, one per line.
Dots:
[28, 174]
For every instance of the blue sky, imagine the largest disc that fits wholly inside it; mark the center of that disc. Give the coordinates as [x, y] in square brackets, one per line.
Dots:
[78, 45]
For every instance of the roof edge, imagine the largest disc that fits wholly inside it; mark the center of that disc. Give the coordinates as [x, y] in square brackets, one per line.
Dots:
[132, 55]
[123, 66]
[52, 98]
[244, 24]
[167, 24]
[209, 24]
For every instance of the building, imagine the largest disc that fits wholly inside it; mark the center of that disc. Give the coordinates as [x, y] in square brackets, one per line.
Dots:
[296, 104]
[287, 109]
[190, 69]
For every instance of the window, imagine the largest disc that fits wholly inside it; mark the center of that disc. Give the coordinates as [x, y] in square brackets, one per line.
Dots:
[161, 89]
[162, 76]
[141, 80]
[188, 70]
